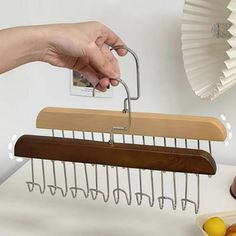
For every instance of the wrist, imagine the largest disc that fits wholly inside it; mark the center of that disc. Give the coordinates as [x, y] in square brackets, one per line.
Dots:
[38, 40]
[21, 45]
[25, 44]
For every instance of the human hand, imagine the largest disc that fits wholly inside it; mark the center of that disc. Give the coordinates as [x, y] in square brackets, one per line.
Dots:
[85, 47]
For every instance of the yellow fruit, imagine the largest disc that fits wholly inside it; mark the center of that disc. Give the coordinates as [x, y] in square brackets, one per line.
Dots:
[215, 226]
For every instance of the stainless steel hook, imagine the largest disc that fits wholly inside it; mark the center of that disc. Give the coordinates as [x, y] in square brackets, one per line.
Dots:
[162, 198]
[137, 73]
[74, 190]
[119, 128]
[31, 184]
[139, 195]
[54, 187]
[117, 190]
[95, 191]
[185, 200]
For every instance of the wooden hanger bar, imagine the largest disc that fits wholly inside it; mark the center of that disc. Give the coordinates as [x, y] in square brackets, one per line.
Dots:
[144, 124]
[123, 155]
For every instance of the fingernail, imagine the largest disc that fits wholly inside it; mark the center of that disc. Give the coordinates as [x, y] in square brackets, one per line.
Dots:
[115, 82]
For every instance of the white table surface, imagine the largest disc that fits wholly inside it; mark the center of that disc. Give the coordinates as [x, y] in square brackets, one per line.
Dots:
[24, 213]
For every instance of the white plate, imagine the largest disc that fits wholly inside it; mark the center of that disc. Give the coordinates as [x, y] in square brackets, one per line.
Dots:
[228, 217]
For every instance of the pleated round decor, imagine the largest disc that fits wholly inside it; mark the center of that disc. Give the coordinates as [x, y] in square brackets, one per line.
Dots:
[209, 46]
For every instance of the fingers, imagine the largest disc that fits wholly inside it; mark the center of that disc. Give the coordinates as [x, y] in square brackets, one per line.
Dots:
[107, 52]
[82, 65]
[107, 36]
[104, 63]
[101, 62]
[114, 40]
[93, 77]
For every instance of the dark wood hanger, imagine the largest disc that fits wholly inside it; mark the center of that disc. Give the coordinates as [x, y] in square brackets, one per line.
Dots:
[123, 155]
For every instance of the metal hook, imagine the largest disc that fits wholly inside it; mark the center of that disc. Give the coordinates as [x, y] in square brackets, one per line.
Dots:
[117, 190]
[74, 190]
[140, 194]
[107, 177]
[108, 188]
[44, 178]
[32, 184]
[120, 128]
[137, 73]
[65, 174]
[210, 150]
[65, 178]
[174, 183]
[95, 191]
[92, 190]
[86, 172]
[53, 188]
[185, 200]
[162, 198]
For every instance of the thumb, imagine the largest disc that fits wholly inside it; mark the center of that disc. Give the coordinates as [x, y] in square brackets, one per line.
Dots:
[101, 63]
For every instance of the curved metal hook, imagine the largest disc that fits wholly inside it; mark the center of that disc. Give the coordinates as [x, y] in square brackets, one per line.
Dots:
[137, 73]
[120, 128]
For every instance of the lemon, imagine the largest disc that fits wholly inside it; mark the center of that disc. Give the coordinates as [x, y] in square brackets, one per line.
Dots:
[215, 226]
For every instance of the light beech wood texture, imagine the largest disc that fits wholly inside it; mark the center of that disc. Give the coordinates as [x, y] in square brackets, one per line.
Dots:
[144, 124]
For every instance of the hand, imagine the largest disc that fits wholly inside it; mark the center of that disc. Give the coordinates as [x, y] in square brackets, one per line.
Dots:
[85, 47]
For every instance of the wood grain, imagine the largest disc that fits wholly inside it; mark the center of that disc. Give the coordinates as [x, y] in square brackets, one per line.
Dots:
[144, 124]
[123, 155]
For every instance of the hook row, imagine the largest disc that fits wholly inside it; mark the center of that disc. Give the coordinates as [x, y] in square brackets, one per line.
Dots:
[118, 192]
[122, 187]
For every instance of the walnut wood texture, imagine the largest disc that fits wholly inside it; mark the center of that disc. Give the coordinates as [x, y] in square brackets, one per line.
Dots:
[123, 155]
[144, 124]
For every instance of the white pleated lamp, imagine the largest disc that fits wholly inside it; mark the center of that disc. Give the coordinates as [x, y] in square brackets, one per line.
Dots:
[209, 46]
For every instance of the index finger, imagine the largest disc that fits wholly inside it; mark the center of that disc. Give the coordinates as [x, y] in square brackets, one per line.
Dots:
[114, 40]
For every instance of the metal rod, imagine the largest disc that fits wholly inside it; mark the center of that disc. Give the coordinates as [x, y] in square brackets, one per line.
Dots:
[137, 73]
[140, 194]
[65, 177]
[44, 177]
[174, 183]
[31, 184]
[74, 190]
[162, 198]
[185, 200]
[95, 191]
[119, 128]
[53, 188]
